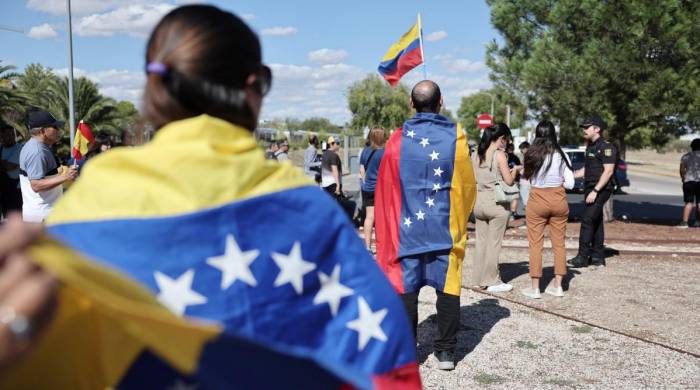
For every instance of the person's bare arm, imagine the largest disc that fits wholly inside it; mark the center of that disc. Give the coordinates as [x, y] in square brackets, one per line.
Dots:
[682, 169]
[336, 176]
[53, 181]
[507, 174]
[362, 172]
[579, 173]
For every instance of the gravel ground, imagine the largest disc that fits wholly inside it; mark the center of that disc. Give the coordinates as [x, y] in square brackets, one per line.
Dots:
[506, 345]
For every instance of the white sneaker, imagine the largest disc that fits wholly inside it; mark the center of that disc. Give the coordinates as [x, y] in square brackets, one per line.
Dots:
[531, 293]
[556, 291]
[503, 287]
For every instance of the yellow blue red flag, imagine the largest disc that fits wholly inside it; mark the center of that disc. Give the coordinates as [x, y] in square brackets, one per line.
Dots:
[264, 278]
[425, 192]
[403, 55]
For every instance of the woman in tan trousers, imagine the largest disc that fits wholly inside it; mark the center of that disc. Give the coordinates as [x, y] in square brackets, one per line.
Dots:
[549, 172]
[490, 166]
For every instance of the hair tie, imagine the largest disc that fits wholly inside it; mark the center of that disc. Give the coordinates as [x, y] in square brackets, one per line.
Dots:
[158, 68]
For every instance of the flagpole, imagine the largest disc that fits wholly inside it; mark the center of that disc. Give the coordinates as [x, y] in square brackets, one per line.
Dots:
[420, 41]
[71, 109]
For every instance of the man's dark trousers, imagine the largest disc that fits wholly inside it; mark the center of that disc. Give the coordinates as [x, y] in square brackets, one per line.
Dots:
[592, 236]
[447, 318]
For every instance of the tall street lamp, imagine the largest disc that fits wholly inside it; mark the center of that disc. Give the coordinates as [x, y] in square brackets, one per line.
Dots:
[492, 101]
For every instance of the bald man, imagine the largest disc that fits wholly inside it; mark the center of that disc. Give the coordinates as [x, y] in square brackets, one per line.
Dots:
[424, 195]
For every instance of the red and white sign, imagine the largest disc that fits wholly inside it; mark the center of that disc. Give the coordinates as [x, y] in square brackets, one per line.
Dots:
[484, 120]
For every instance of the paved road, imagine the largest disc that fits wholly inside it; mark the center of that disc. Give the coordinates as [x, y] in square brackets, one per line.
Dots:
[644, 183]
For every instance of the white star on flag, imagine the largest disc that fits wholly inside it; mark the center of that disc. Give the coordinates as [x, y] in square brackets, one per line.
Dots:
[332, 291]
[177, 294]
[292, 268]
[407, 222]
[436, 187]
[438, 172]
[430, 202]
[368, 324]
[234, 264]
[420, 215]
[434, 155]
[411, 133]
[424, 142]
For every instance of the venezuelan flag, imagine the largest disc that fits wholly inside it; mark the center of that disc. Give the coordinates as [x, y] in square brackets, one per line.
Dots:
[82, 140]
[194, 261]
[425, 192]
[402, 56]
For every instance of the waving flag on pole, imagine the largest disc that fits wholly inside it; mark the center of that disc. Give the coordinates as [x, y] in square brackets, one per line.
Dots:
[403, 55]
[425, 192]
[248, 276]
[82, 141]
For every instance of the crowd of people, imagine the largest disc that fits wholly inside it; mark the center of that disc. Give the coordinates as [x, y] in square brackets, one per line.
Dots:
[419, 201]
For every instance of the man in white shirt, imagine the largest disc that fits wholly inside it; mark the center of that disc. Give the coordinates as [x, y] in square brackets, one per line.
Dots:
[39, 179]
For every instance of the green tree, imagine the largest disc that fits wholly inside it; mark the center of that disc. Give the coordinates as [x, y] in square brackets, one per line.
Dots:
[373, 102]
[478, 103]
[634, 62]
[315, 125]
[12, 101]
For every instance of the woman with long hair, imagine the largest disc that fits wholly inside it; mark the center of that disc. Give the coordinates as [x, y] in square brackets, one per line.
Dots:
[549, 172]
[490, 168]
[370, 159]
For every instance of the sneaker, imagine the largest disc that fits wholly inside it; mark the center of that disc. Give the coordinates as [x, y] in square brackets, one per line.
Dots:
[503, 287]
[682, 225]
[531, 293]
[556, 291]
[445, 359]
[578, 262]
[598, 263]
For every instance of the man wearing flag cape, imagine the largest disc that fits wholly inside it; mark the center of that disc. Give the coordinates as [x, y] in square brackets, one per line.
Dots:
[278, 288]
[425, 193]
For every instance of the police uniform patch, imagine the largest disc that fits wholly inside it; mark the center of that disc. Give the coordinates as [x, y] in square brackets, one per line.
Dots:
[608, 152]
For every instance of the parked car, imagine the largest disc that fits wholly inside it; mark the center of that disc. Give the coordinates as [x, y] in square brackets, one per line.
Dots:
[577, 156]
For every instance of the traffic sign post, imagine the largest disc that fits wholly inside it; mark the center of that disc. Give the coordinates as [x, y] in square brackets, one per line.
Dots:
[484, 120]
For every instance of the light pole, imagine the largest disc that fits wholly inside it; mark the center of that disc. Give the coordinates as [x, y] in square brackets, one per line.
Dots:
[492, 101]
[71, 111]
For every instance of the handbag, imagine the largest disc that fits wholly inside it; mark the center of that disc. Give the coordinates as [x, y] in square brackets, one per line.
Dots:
[504, 193]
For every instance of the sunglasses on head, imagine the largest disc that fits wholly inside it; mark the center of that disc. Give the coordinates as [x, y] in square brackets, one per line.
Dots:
[263, 80]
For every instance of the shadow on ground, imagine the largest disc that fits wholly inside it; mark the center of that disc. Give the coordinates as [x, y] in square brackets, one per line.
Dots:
[510, 271]
[475, 320]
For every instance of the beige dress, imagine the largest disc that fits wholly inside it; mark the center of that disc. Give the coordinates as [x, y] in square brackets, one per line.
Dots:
[491, 223]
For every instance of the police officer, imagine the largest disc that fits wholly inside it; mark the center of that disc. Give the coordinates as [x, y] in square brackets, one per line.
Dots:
[597, 173]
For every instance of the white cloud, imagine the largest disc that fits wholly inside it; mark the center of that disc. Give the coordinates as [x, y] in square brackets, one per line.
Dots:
[452, 88]
[114, 83]
[135, 20]
[80, 7]
[328, 56]
[462, 65]
[305, 91]
[44, 31]
[436, 36]
[279, 31]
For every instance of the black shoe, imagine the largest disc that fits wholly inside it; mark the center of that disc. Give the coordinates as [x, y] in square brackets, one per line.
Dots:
[446, 360]
[596, 262]
[578, 262]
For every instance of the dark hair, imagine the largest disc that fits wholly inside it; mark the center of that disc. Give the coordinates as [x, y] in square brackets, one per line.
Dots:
[426, 96]
[199, 60]
[491, 134]
[524, 144]
[544, 145]
[695, 144]
[313, 140]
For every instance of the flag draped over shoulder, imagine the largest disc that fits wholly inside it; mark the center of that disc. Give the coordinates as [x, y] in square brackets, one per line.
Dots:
[402, 56]
[82, 140]
[425, 192]
[198, 222]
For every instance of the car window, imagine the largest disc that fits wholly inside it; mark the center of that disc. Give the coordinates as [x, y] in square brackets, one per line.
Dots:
[576, 157]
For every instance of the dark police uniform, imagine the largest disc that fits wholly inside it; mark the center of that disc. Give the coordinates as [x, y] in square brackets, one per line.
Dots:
[592, 235]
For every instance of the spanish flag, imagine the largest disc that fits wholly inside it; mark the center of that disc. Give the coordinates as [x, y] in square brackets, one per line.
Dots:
[425, 192]
[193, 261]
[82, 140]
[403, 55]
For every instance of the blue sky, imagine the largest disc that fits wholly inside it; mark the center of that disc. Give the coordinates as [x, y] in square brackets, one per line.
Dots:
[315, 48]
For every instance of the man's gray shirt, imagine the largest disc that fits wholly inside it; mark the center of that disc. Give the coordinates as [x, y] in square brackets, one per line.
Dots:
[36, 160]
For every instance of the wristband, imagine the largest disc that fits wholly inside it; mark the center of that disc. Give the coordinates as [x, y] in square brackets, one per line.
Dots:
[594, 190]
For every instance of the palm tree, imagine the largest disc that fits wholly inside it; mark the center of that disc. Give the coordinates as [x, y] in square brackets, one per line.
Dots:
[12, 101]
